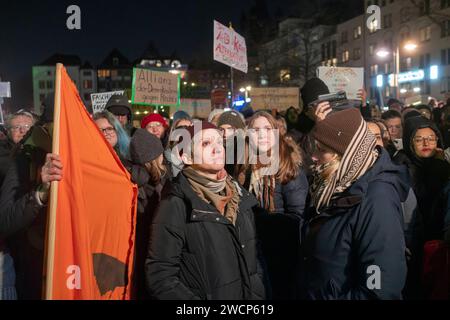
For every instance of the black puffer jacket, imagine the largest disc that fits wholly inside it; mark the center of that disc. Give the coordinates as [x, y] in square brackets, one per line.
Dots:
[355, 249]
[6, 159]
[196, 253]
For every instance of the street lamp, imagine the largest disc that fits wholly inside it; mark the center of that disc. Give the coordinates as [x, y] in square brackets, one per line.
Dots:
[383, 53]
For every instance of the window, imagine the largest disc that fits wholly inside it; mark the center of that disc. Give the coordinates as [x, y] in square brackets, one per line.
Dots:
[356, 54]
[371, 49]
[42, 97]
[404, 36]
[357, 32]
[42, 85]
[373, 25]
[114, 73]
[445, 84]
[344, 37]
[115, 61]
[425, 34]
[87, 84]
[387, 68]
[87, 73]
[104, 73]
[445, 29]
[387, 19]
[443, 57]
[425, 7]
[285, 75]
[408, 62]
[323, 52]
[424, 61]
[50, 85]
[333, 49]
[345, 56]
[373, 70]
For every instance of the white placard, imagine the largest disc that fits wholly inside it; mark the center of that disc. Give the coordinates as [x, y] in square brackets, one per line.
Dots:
[349, 80]
[5, 89]
[230, 47]
[99, 100]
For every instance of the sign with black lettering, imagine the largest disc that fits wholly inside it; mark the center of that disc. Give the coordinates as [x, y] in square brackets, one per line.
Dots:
[155, 88]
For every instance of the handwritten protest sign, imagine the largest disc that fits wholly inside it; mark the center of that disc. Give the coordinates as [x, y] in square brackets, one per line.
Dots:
[99, 100]
[230, 48]
[5, 89]
[155, 88]
[349, 80]
[275, 98]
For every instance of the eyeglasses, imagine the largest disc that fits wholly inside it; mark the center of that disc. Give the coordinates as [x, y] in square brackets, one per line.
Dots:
[155, 125]
[429, 139]
[19, 127]
[108, 130]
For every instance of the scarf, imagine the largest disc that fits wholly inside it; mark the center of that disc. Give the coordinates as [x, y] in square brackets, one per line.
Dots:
[359, 157]
[222, 193]
[262, 185]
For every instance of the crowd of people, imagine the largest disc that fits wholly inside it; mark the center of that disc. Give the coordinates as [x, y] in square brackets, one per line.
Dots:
[314, 204]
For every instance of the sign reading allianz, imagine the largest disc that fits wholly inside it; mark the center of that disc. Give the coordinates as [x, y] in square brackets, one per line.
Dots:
[417, 75]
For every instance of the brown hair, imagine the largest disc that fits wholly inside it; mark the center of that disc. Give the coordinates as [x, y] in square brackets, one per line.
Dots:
[290, 153]
[156, 170]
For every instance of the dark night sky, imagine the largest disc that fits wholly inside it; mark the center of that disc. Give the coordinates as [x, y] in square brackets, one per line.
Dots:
[31, 31]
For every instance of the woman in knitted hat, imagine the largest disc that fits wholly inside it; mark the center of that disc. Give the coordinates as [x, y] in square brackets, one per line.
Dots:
[156, 125]
[203, 242]
[273, 172]
[146, 151]
[353, 245]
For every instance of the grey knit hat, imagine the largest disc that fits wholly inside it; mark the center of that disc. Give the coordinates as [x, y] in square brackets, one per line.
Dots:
[145, 147]
[231, 118]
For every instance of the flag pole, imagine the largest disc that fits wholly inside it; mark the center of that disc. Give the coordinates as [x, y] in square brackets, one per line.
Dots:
[51, 227]
[231, 77]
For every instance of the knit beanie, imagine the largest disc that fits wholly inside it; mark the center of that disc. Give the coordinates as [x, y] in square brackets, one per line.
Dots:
[338, 129]
[145, 147]
[154, 117]
[214, 113]
[180, 115]
[312, 89]
[231, 118]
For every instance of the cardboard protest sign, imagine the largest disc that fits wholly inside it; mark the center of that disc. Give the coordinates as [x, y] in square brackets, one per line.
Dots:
[5, 89]
[155, 88]
[349, 80]
[275, 98]
[230, 48]
[99, 100]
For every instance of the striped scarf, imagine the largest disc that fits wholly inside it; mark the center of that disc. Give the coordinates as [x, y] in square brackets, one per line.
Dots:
[359, 157]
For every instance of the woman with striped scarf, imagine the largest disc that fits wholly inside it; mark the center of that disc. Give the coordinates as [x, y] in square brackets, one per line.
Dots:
[353, 245]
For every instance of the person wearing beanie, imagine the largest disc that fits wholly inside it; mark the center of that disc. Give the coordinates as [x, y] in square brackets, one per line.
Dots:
[203, 244]
[156, 125]
[214, 116]
[146, 151]
[119, 106]
[180, 116]
[229, 122]
[354, 246]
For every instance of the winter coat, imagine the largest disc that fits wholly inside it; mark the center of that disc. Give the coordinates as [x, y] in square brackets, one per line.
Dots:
[355, 248]
[6, 159]
[429, 178]
[196, 253]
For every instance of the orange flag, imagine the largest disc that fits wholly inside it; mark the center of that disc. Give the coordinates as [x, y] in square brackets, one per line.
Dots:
[90, 247]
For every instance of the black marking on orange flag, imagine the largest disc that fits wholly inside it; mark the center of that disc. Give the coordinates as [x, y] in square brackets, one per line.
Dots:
[109, 272]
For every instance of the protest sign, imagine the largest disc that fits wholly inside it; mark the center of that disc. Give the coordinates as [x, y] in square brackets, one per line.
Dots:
[275, 98]
[230, 48]
[155, 88]
[349, 80]
[99, 100]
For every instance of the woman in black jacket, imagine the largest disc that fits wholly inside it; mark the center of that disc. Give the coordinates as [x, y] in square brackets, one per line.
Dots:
[354, 246]
[146, 152]
[203, 241]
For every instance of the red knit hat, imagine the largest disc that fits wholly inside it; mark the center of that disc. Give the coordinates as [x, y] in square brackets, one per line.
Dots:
[154, 117]
[204, 126]
[338, 129]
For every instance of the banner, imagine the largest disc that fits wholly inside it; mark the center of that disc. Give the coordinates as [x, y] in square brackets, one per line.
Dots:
[196, 108]
[90, 247]
[230, 47]
[2, 120]
[274, 98]
[349, 80]
[99, 100]
[155, 88]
